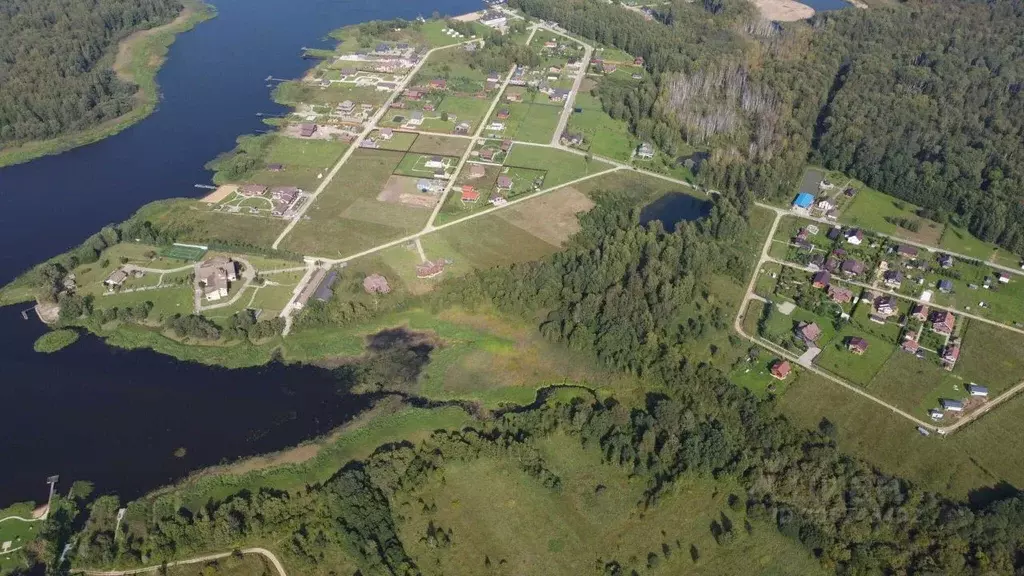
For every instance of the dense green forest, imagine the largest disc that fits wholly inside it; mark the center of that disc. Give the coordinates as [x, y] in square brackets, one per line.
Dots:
[854, 519]
[55, 63]
[921, 100]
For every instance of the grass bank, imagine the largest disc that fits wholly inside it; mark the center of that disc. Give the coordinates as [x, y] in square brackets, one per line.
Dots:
[146, 52]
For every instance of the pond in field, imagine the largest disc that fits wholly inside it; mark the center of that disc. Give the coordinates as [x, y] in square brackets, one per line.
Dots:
[131, 421]
[673, 208]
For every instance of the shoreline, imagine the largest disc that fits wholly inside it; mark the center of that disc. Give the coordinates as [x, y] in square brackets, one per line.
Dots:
[147, 51]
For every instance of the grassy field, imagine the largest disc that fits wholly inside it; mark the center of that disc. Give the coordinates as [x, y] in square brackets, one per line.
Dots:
[874, 210]
[859, 369]
[534, 122]
[915, 384]
[991, 356]
[501, 517]
[18, 533]
[347, 217]
[193, 222]
[460, 109]
[441, 145]
[400, 141]
[956, 239]
[562, 167]
[604, 135]
[303, 161]
[144, 56]
[484, 242]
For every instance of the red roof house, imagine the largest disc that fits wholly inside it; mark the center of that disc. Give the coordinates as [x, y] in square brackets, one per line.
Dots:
[469, 193]
[857, 345]
[943, 322]
[780, 369]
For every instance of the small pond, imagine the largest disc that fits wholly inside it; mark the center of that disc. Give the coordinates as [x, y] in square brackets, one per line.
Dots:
[673, 208]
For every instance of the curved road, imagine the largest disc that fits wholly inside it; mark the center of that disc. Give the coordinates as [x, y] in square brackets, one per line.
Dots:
[197, 560]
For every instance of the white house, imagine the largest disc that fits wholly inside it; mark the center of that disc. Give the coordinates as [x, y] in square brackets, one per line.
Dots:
[976, 390]
[952, 405]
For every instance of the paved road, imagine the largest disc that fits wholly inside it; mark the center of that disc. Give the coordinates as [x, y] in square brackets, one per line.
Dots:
[197, 560]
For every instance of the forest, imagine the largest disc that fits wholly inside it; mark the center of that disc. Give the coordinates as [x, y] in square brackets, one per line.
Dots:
[920, 100]
[55, 63]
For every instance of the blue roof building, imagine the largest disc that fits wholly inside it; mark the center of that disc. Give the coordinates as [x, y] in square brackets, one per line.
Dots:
[803, 200]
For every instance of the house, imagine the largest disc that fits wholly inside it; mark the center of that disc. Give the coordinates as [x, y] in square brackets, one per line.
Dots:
[116, 278]
[976, 390]
[945, 260]
[910, 345]
[439, 84]
[368, 143]
[893, 278]
[506, 145]
[376, 284]
[469, 193]
[816, 262]
[907, 251]
[951, 405]
[415, 118]
[943, 321]
[430, 269]
[645, 151]
[434, 162]
[1003, 277]
[919, 312]
[840, 294]
[504, 182]
[857, 345]
[386, 86]
[514, 97]
[551, 44]
[809, 332]
[462, 128]
[831, 264]
[476, 170]
[348, 71]
[609, 68]
[387, 133]
[854, 236]
[821, 279]
[780, 369]
[950, 354]
[826, 204]
[214, 276]
[572, 139]
[413, 94]
[638, 61]
[886, 306]
[324, 290]
[496, 127]
[852, 267]
[251, 190]
[307, 130]
[803, 201]
[850, 192]
[487, 154]
[559, 95]
[945, 286]
[834, 233]
[503, 114]
[346, 107]
[275, 167]
[935, 414]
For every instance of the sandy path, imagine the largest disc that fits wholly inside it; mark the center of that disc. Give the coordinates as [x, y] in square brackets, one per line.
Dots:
[125, 48]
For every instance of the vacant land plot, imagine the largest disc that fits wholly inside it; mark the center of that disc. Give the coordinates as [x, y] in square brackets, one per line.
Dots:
[459, 109]
[882, 213]
[496, 511]
[602, 134]
[401, 141]
[426, 166]
[442, 145]
[527, 122]
[403, 190]
[293, 93]
[991, 356]
[484, 242]
[552, 217]
[300, 162]
[956, 239]
[194, 222]
[915, 384]
[347, 217]
[248, 565]
[858, 368]
[562, 167]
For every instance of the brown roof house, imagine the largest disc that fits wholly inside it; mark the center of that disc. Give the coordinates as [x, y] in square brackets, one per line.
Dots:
[820, 279]
[857, 345]
[430, 269]
[950, 354]
[919, 312]
[780, 369]
[250, 190]
[852, 267]
[808, 332]
[307, 130]
[116, 278]
[840, 294]
[215, 275]
[504, 182]
[907, 251]
[886, 306]
[910, 344]
[943, 322]
[376, 284]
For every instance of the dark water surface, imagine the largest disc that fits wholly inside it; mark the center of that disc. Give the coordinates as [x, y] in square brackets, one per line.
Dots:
[113, 416]
[673, 208]
[826, 5]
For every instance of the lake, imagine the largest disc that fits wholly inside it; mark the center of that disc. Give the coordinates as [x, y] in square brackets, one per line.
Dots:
[673, 208]
[116, 417]
[826, 5]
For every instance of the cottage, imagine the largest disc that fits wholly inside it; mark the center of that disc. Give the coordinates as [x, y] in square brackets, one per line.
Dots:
[850, 192]
[638, 61]
[368, 143]
[803, 201]
[469, 193]
[976, 390]
[376, 284]
[951, 405]
[840, 294]
[1003, 277]
[919, 312]
[506, 145]
[387, 133]
[439, 84]
[413, 94]
[821, 279]
[893, 278]
[346, 107]
[809, 332]
[910, 345]
[935, 414]
[559, 95]
[950, 354]
[816, 262]
[307, 130]
[462, 128]
[886, 306]
[424, 185]
[945, 260]
[943, 322]
[434, 162]
[386, 86]
[251, 190]
[645, 151]
[780, 369]
[275, 167]
[430, 269]
[945, 286]
[857, 345]
[855, 236]
[831, 264]
[852, 267]
[415, 118]
[487, 154]
[832, 214]
[514, 97]
[504, 182]
[907, 251]
[116, 278]
[214, 276]
[503, 114]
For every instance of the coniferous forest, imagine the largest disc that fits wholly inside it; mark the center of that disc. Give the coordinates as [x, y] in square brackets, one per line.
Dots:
[920, 100]
[55, 63]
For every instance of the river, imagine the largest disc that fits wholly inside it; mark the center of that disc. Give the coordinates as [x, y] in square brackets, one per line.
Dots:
[115, 417]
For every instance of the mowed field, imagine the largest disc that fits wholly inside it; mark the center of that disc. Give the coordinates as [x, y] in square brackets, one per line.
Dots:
[562, 167]
[302, 161]
[347, 217]
[604, 135]
[526, 122]
[502, 518]
[190, 221]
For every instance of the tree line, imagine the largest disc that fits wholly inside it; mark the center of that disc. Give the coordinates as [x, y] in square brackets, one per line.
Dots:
[55, 63]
